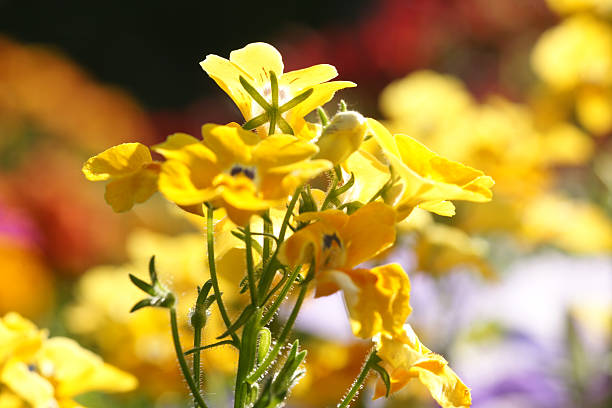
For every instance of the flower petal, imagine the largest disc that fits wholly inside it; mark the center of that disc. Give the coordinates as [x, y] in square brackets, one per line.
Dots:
[278, 150]
[257, 60]
[229, 143]
[301, 79]
[369, 231]
[226, 75]
[122, 193]
[117, 161]
[173, 144]
[382, 303]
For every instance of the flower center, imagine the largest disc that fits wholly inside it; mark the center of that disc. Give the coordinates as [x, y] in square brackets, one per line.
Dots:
[333, 253]
[284, 96]
[248, 171]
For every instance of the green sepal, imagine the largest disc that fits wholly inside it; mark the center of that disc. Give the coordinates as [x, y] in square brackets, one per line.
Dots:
[296, 101]
[203, 302]
[351, 206]
[143, 303]
[342, 106]
[307, 203]
[142, 285]
[152, 270]
[344, 188]
[323, 116]
[284, 125]
[384, 375]
[256, 121]
[254, 94]
[242, 319]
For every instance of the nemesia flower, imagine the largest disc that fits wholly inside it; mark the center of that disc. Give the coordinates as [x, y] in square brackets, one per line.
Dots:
[254, 63]
[341, 137]
[428, 179]
[232, 169]
[131, 172]
[377, 298]
[406, 358]
[45, 372]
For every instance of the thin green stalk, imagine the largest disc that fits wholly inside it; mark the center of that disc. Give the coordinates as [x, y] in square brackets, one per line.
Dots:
[213, 272]
[249, 264]
[267, 229]
[247, 358]
[219, 343]
[183, 363]
[197, 342]
[281, 296]
[280, 342]
[330, 193]
[365, 370]
[268, 273]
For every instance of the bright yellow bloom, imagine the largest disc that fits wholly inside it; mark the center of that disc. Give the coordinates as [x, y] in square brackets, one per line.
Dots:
[428, 179]
[574, 6]
[440, 247]
[46, 372]
[378, 298]
[233, 169]
[254, 63]
[131, 172]
[406, 358]
[573, 225]
[579, 50]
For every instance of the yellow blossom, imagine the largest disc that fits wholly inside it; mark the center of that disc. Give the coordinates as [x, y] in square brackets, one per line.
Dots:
[130, 170]
[406, 358]
[45, 372]
[341, 137]
[377, 298]
[232, 169]
[428, 179]
[254, 63]
[574, 6]
[579, 50]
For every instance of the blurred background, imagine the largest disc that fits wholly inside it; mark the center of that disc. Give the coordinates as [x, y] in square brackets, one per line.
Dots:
[516, 293]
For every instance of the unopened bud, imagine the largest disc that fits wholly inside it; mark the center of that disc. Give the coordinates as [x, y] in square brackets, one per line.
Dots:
[341, 137]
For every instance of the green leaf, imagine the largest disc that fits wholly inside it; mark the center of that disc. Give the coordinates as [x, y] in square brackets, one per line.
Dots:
[143, 303]
[142, 285]
[242, 319]
[383, 374]
[152, 270]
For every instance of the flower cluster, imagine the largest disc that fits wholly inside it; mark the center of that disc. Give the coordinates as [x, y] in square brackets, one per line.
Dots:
[306, 202]
[41, 372]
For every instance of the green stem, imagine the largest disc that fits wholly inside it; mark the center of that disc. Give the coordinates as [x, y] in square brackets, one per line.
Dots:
[249, 264]
[365, 370]
[267, 229]
[281, 296]
[183, 363]
[280, 342]
[247, 358]
[219, 343]
[268, 274]
[330, 193]
[197, 342]
[213, 272]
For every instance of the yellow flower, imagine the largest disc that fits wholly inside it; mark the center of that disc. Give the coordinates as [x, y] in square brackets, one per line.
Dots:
[428, 179]
[579, 50]
[131, 171]
[405, 358]
[46, 372]
[233, 169]
[440, 248]
[377, 298]
[254, 63]
[573, 6]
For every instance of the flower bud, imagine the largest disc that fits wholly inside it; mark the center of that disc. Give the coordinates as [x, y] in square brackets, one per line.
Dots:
[341, 137]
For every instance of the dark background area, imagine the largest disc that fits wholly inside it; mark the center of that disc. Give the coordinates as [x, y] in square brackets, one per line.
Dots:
[134, 44]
